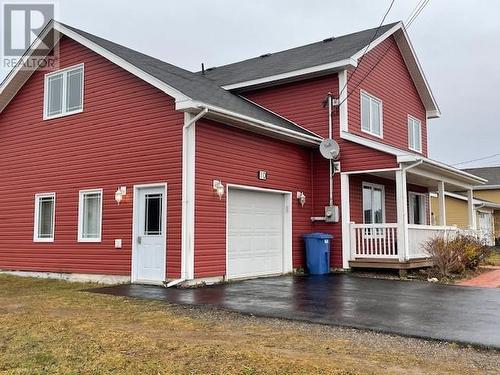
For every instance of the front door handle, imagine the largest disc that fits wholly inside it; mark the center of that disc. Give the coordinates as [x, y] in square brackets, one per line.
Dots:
[139, 239]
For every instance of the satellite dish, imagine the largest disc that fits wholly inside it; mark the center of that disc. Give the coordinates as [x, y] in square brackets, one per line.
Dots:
[329, 149]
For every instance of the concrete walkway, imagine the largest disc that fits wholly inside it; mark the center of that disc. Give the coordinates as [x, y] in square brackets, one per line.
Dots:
[490, 279]
[451, 313]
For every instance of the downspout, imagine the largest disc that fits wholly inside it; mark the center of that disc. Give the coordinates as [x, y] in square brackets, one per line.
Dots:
[185, 201]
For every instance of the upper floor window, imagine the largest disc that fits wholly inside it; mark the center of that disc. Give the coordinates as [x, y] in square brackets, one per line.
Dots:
[371, 114]
[90, 216]
[44, 217]
[414, 134]
[63, 92]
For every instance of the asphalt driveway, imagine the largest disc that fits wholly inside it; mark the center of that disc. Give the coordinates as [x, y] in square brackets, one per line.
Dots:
[451, 313]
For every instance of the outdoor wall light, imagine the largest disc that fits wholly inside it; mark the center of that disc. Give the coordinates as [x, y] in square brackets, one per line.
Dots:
[301, 197]
[119, 193]
[218, 188]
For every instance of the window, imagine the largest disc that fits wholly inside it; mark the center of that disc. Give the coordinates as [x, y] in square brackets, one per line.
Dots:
[414, 134]
[417, 208]
[371, 115]
[373, 203]
[153, 214]
[63, 92]
[44, 217]
[90, 216]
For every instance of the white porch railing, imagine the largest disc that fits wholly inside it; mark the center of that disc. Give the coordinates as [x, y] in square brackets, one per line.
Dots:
[419, 235]
[374, 241]
[381, 240]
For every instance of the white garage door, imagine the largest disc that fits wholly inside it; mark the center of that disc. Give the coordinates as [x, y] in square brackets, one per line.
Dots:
[255, 233]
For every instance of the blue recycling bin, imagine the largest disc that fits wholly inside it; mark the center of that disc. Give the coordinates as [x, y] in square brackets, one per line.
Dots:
[318, 253]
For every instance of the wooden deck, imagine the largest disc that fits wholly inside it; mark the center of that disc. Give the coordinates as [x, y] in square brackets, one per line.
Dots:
[394, 264]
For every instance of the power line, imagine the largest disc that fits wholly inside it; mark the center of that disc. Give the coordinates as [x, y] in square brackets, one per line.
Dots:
[412, 19]
[478, 159]
[369, 44]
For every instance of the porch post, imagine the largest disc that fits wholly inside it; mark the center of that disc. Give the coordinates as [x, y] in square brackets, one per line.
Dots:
[402, 209]
[442, 203]
[470, 209]
[346, 220]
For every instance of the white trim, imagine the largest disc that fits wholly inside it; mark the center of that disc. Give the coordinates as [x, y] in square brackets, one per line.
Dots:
[287, 76]
[19, 66]
[381, 114]
[369, 171]
[81, 194]
[287, 223]
[414, 119]
[64, 73]
[135, 202]
[402, 215]
[167, 89]
[373, 186]
[71, 277]
[423, 214]
[188, 196]
[377, 41]
[343, 110]
[346, 219]
[268, 127]
[36, 218]
[406, 157]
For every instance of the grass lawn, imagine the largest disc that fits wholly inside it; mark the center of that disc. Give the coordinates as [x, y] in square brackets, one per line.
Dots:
[49, 327]
[494, 258]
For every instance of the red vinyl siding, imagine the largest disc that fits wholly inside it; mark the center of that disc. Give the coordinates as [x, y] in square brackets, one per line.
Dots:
[302, 102]
[235, 157]
[391, 82]
[128, 133]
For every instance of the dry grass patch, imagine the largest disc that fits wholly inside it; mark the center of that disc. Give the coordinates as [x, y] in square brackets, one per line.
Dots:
[52, 327]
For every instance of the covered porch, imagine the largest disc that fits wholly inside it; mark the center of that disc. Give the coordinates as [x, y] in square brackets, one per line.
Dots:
[387, 220]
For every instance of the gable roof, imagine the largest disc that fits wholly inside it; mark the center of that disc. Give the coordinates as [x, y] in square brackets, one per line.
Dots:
[492, 174]
[190, 90]
[339, 49]
[320, 58]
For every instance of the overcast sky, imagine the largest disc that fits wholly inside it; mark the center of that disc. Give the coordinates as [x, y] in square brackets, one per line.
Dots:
[457, 42]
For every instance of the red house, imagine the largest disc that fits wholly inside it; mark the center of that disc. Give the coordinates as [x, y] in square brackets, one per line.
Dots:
[117, 166]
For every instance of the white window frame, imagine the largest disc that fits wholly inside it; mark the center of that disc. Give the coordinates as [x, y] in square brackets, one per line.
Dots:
[373, 186]
[64, 72]
[81, 195]
[410, 146]
[37, 218]
[411, 208]
[379, 101]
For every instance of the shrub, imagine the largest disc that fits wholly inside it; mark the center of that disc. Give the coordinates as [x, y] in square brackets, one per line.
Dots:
[457, 255]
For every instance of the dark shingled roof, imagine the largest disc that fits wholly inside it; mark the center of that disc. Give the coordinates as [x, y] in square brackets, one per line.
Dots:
[310, 55]
[191, 84]
[492, 174]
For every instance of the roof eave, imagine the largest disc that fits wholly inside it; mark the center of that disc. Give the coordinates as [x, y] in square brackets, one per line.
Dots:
[295, 75]
[250, 123]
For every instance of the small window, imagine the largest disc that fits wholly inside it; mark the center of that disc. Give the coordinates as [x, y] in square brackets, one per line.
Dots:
[371, 115]
[44, 217]
[414, 134]
[153, 214]
[63, 92]
[90, 216]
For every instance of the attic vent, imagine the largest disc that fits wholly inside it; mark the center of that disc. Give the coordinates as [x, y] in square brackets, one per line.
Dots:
[210, 69]
[265, 55]
[328, 39]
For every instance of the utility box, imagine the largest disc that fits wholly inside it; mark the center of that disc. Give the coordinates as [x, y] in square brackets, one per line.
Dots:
[332, 214]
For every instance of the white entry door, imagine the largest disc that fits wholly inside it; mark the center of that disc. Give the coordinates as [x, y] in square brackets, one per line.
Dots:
[148, 260]
[256, 227]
